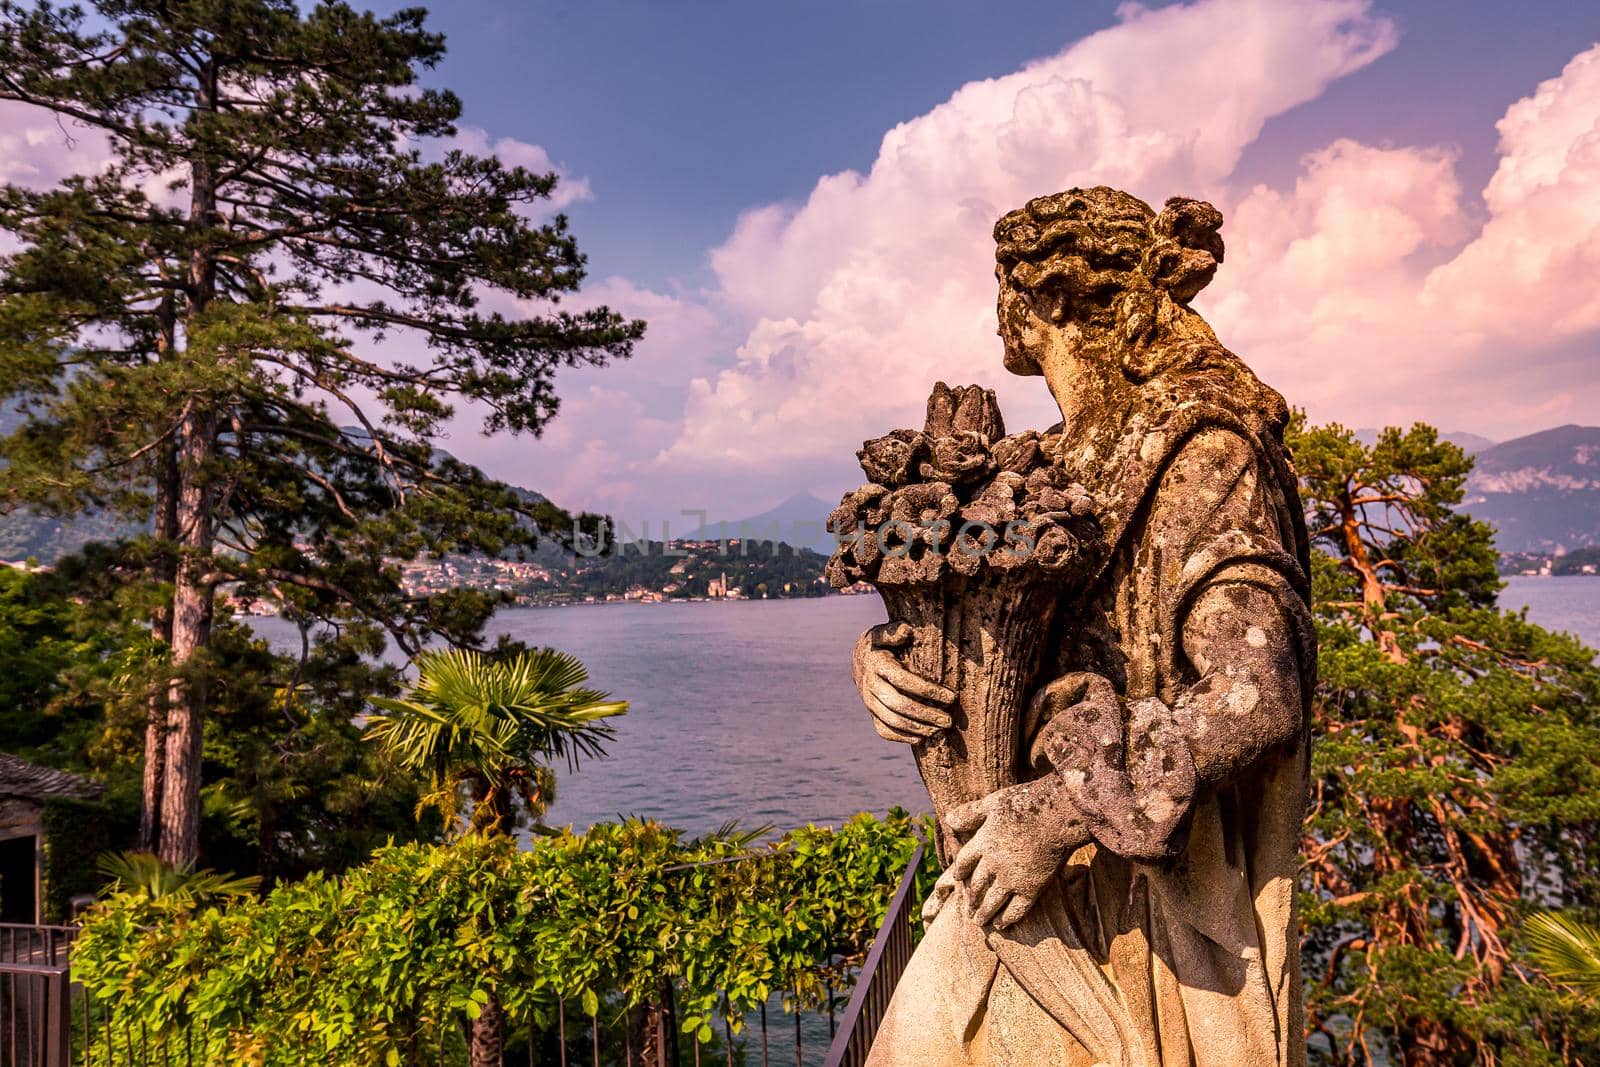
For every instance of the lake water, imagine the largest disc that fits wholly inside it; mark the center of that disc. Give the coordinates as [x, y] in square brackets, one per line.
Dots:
[1571, 604]
[737, 710]
[746, 710]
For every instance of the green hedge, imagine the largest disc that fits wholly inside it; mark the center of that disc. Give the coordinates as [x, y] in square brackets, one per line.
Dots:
[351, 969]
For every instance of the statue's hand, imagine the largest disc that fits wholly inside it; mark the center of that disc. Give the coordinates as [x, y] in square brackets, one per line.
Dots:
[1019, 838]
[905, 706]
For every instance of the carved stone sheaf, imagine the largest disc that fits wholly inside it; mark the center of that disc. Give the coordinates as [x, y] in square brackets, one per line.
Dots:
[1100, 652]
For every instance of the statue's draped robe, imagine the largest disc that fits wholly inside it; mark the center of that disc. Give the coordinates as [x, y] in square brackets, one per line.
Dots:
[1125, 963]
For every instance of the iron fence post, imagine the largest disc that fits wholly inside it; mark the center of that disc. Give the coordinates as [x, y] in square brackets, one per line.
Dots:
[58, 1019]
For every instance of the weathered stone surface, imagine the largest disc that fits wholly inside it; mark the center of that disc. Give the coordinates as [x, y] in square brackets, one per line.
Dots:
[1107, 699]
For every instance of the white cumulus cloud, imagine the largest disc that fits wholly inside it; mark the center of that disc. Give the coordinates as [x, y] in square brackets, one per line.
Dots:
[1536, 265]
[1373, 290]
[881, 282]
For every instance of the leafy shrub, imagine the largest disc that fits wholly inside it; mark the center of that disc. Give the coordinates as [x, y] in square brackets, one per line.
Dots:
[369, 967]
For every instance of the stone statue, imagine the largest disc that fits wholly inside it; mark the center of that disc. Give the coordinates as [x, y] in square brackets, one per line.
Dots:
[1101, 651]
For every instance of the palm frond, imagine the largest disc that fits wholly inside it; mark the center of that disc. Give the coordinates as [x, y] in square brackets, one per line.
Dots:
[731, 835]
[1565, 949]
[144, 874]
[468, 711]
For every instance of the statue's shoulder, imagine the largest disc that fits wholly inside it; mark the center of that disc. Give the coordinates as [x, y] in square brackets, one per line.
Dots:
[1212, 449]
[1179, 444]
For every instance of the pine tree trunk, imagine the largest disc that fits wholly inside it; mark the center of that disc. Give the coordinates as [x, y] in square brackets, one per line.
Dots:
[192, 589]
[155, 749]
[191, 635]
[488, 1036]
[155, 766]
[155, 731]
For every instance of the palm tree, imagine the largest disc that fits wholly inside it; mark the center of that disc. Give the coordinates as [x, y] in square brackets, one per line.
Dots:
[491, 727]
[1566, 949]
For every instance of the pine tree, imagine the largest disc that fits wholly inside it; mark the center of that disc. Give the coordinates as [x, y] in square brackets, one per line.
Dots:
[1456, 773]
[250, 329]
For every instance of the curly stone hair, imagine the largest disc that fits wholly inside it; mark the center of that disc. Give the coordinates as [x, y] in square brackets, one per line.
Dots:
[1103, 257]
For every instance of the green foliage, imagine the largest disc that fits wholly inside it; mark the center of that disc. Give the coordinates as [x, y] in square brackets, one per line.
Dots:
[289, 783]
[351, 969]
[142, 875]
[1567, 949]
[77, 833]
[493, 722]
[1456, 773]
[51, 652]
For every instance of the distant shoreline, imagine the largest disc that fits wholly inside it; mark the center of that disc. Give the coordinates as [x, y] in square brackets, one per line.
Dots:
[689, 600]
[636, 602]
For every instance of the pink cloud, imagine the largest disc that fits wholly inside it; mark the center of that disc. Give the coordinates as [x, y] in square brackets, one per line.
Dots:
[570, 189]
[1372, 290]
[1535, 268]
[1366, 295]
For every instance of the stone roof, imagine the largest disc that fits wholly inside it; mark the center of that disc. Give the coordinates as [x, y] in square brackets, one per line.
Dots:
[19, 778]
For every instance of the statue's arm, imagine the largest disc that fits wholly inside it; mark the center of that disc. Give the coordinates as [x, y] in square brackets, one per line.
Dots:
[1125, 774]
[1247, 701]
[905, 706]
[1242, 634]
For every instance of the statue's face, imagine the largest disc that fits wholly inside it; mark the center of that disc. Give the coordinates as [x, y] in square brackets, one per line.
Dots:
[1024, 333]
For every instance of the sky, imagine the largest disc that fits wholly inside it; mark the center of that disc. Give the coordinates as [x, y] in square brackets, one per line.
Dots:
[798, 197]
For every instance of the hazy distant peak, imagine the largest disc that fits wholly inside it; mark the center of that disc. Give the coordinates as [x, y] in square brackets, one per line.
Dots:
[1541, 491]
[799, 521]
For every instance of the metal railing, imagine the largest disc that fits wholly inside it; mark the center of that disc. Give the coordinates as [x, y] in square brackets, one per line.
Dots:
[27, 943]
[35, 1008]
[886, 962]
[35, 995]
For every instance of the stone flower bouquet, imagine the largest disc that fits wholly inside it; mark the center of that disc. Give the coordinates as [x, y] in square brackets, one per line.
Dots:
[972, 538]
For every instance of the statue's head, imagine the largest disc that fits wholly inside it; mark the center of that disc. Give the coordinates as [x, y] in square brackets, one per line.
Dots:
[1106, 264]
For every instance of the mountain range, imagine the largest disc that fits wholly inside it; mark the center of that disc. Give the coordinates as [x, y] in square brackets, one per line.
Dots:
[1540, 492]
[800, 521]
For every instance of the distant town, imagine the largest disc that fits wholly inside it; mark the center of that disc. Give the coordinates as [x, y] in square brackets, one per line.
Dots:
[1582, 561]
[641, 572]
